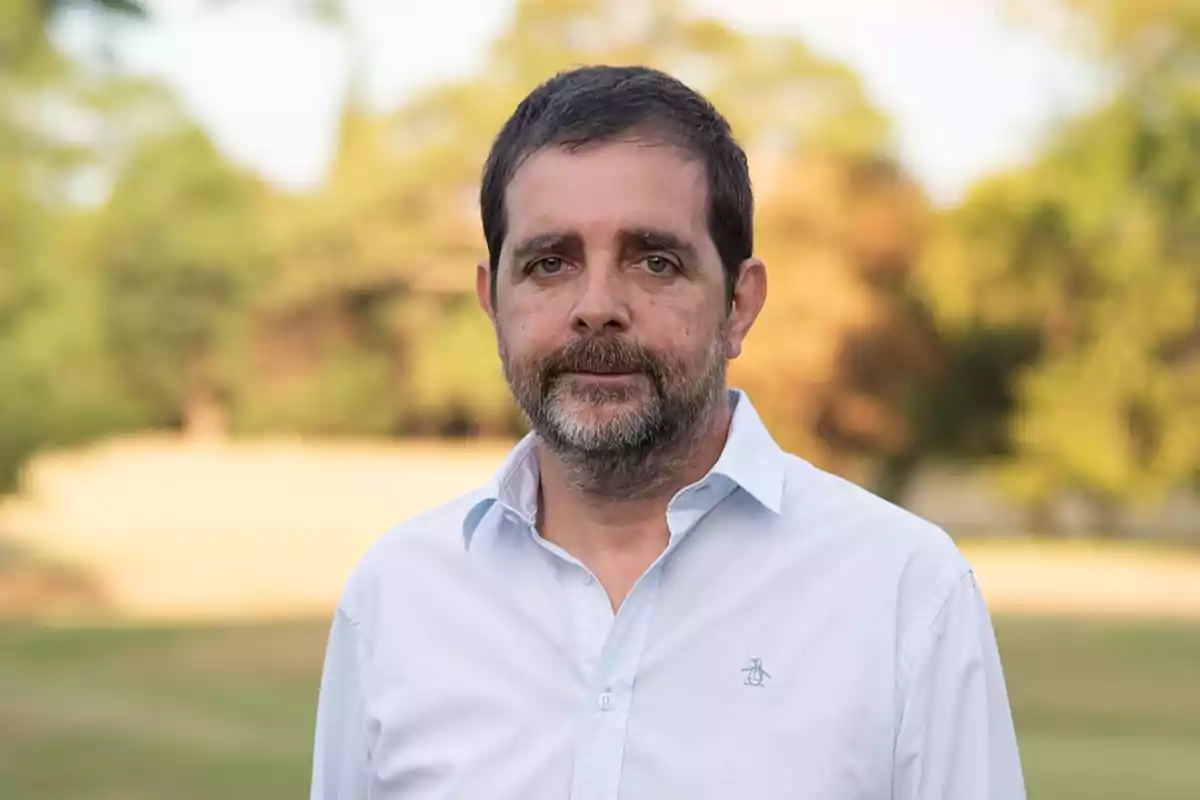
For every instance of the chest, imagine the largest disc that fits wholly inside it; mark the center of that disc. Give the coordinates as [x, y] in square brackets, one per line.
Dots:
[702, 686]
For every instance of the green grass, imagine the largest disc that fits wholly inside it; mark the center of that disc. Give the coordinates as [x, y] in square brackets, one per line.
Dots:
[157, 713]
[1104, 709]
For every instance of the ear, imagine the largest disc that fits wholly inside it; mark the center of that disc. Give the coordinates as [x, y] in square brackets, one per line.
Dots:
[483, 289]
[749, 296]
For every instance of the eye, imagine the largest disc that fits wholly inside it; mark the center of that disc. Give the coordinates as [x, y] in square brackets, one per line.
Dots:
[550, 265]
[659, 265]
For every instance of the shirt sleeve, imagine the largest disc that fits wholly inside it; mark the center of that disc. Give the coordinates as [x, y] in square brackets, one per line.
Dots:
[339, 769]
[956, 739]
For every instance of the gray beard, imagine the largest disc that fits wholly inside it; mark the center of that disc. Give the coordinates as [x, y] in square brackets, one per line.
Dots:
[628, 473]
[632, 456]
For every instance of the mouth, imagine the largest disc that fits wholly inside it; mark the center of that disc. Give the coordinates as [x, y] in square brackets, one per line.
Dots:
[603, 376]
[605, 380]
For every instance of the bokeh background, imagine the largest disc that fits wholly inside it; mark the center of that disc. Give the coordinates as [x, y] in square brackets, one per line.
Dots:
[238, 340]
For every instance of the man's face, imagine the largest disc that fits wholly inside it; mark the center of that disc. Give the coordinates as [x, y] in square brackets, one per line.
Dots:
[610, 301]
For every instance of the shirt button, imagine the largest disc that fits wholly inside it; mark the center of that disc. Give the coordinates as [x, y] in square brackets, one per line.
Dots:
[606, 701]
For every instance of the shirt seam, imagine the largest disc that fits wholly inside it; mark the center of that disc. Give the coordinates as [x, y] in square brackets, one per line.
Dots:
[361, 676]
[918, 641]
[919, 644]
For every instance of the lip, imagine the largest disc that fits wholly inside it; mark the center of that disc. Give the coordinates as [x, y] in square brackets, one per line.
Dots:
[604, 376]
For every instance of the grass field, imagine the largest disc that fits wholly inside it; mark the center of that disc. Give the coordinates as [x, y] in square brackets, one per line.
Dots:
[1105, 709]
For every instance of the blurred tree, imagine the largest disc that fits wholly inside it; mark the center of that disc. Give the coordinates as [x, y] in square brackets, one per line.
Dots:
[180, 253]
[850, 344]
[45, 315]
[128, 315]
[1091, 256]
[1144, 40]
[51, 110]
[398, 223]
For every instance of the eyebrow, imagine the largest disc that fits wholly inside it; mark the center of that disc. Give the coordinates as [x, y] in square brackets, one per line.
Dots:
[646, 240]
[564, 243]
[638, 240]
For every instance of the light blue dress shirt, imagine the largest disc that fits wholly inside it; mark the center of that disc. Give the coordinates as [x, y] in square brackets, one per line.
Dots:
[799, 638]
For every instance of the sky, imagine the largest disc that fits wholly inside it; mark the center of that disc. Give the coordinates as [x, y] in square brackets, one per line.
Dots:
[968, 91]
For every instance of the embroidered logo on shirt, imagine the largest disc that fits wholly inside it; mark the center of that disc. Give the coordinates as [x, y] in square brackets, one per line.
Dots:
[755, 674]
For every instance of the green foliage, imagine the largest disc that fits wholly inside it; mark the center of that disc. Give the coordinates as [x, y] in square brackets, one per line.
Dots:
[345, 391]
[1093, 251]
[56, 379]
[456, 375]
[56, 385]
[1143, 39]
[180, 256]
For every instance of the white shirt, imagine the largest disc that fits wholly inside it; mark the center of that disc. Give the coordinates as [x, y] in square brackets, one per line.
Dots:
[799, 638]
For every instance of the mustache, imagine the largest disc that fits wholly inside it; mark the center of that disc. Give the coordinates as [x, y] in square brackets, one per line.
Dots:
[602, 355]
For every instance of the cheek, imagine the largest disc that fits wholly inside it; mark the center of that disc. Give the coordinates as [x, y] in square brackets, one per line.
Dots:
[689, 341]
[532, 315]
[523, 340]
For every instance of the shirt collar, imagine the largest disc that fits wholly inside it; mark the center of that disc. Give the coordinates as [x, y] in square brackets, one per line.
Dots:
[751, 459]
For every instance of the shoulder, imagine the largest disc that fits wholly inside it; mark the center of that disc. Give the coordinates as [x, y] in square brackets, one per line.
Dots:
[899, 551]
[417, 544]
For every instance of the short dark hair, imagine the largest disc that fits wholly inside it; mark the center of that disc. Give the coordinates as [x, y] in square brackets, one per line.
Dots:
[596, 104]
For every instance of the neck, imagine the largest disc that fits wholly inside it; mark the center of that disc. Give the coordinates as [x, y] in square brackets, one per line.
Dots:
[588, 514]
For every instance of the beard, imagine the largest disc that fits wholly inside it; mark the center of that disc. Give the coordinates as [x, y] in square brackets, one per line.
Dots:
[618, 438]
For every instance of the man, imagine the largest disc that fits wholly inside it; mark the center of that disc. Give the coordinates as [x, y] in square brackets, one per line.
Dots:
[651, 600]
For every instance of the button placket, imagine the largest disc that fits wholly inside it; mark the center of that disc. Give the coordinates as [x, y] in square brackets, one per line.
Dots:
[601, 749]
[592, 622]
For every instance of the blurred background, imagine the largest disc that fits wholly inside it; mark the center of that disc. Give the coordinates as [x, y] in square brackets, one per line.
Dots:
[238, 339]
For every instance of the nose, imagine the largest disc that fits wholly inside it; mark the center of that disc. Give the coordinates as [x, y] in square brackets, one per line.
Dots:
[601, 308]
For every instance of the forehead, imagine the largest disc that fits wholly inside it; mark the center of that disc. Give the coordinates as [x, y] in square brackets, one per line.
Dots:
[601, 189]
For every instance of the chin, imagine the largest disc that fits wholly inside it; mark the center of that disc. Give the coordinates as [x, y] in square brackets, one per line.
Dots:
[597, 425]
[601, 409]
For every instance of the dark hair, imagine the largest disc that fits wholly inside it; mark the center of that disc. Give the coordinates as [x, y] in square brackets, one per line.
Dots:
[601, 103]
